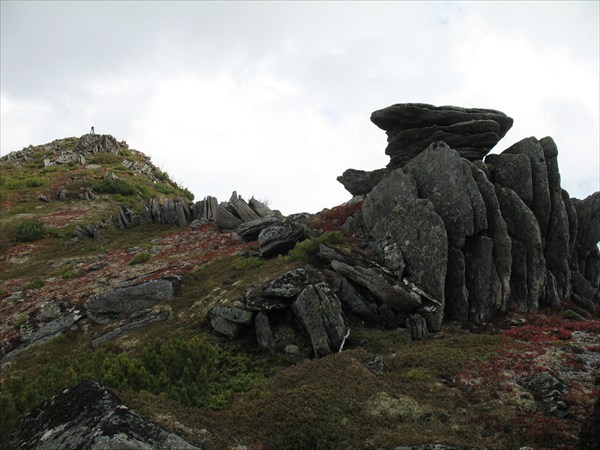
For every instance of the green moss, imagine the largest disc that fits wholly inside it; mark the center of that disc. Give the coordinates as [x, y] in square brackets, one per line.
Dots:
[247, 262]
[140, 258]
[32, 230]
[308, 249]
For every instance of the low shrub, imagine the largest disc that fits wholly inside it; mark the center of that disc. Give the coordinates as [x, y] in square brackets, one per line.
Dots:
[31, 230]
[118, 186]
[140, 258]
[308, 249]
[247, 262]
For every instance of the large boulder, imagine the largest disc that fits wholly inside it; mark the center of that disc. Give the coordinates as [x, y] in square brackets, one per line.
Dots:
[360, 182]
[320, 312]
[411, 127]
[89, 416]
[588, 221]
[279, 238]
[250, 230]
[97, 143]
[441, 178]
[122, 302]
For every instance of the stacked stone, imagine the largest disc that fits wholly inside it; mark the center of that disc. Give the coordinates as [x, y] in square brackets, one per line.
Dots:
[477, 237]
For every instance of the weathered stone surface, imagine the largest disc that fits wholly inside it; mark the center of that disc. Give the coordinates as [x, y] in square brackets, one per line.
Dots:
[540, 205]
[573, 227]
[588, 221]
[523, 227]
[242, 209]
[255, 301]
[126, 300]
[361, 182]
[582, 287]
[206, 209]
[592, 267]
[549, 392]
[225, 219]
[353, 299]
[90, 231]
[233, 314]
[97, 143]
[175, 212]
[279, 239]
[411, 127]
[89, 416]
[290, 284]
[135, 321]
[557, 235]
[225, 327]
[417, 326]
[497, 230]
[389, 291]
[390, 256]
[457, 295]
[481, 279]
[393, 209]
[513, 172]
[264, 332]
[250, 230]
[440, 178]
[260, 208]
[320, 313]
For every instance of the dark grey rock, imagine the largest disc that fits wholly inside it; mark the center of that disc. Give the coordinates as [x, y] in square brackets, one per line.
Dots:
[290, 284]
[498, 232]
[225, 327]
[242, 209]
[390, 256]
[592, 267]
[573, 226]
[255, 301]
[233, 314]
[540, 205]
[376, 364]
[97, 143]
[411, 127]
[225, 219]
[136, 321]
[481, 279]
[457, 295]
[250, 230]
[588, 221]
[440, 178]
[89, 416]
[417, 327]
[352, 299]
[549, 391]
[523, 227]
[384, 287]
[43, 198]
[393, 209]
[582, 287]
[126, 300]
[279, 238]
[550, 296]
[260, 208]
[513, 172]
[320, 313]
[360, 182]
[557, 236]
[63, 194]
[264, 332]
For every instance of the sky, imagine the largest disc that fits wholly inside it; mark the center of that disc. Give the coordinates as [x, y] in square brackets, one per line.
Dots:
[273, 99]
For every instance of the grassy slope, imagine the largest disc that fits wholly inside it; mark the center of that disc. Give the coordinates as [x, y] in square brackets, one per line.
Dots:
[458, 388]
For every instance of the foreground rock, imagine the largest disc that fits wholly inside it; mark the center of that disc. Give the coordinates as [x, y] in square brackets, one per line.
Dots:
[411, 127]
[89, 416]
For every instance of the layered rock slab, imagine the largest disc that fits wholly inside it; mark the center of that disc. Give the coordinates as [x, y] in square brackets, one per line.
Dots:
[412, 127]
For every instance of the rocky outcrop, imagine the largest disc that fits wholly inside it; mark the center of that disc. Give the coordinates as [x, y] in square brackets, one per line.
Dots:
[478, 237]
[412, 127]
[124, 301]
[97, 143]
[360, 182]
[279, 238]
[90, 416]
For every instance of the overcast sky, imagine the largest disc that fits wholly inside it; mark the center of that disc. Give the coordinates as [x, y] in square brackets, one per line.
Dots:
[273, 99]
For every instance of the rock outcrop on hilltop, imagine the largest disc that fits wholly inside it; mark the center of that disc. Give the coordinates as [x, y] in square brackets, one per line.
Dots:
[450, 236]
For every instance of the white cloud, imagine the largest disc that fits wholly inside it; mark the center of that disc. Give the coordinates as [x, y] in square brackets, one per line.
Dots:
[273, 99]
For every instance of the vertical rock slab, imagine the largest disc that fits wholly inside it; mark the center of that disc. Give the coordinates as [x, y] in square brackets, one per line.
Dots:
[497, 230]
[438, 172]
[557, 234]
[320, 313]
[393, 209]
[573, 227]
[457, 295]
[523, 227]
[513, 172]
[481, 279]
[588, 220]
[539, 179]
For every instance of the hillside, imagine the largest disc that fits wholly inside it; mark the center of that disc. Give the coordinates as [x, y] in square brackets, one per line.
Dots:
[453, 300]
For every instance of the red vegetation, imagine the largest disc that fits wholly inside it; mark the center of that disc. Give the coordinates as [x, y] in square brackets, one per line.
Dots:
[334, 218]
